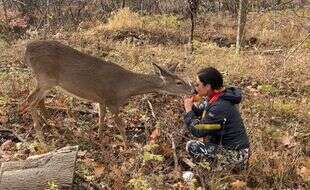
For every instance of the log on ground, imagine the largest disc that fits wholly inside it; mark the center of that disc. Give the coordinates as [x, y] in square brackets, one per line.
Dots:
[41, 171]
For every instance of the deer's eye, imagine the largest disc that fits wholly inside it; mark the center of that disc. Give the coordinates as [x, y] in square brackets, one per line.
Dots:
[179, 83]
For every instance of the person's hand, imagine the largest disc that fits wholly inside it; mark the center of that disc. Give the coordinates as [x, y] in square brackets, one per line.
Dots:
[188, 103]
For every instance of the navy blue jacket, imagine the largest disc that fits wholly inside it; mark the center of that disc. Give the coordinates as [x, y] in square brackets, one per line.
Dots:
[220, 121]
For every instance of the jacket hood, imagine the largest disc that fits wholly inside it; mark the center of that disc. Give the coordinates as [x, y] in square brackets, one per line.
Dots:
[232, 94]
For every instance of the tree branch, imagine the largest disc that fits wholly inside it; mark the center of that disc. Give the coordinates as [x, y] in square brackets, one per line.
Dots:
[292, 52]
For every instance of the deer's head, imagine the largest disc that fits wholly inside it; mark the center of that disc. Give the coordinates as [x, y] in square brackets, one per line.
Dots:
[172, 83]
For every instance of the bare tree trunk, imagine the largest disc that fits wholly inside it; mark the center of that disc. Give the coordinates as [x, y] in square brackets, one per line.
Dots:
[275, 13]
[242, 13]
[123, 3]
[156, 7]
[193, 7]
[5, 11]
[141, 6]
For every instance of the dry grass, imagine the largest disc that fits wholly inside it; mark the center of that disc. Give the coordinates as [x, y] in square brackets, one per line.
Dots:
[275, 108]
[124, 19]
[281, 28]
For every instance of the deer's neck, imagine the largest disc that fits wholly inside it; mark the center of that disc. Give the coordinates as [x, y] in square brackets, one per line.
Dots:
[143, 84]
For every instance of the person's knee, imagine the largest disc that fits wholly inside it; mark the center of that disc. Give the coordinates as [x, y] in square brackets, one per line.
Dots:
[189, 144]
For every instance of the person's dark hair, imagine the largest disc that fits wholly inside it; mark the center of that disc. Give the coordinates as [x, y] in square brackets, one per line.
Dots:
[211, 76]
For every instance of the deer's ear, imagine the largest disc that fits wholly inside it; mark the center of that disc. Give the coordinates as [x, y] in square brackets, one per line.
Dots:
[160, 71]
[173, 67]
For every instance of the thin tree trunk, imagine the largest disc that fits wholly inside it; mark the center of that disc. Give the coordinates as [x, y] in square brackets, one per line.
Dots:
[123, 3]
[5, 11]
[274, 16]
[193, 7]
[242, 13]
[156, 7]
[191, 39]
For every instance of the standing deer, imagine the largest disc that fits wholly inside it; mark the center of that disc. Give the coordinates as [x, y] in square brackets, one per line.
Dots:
[87, 77]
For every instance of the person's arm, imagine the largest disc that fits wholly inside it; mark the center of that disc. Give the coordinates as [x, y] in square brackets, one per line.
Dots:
[210, 123]
[198, 109]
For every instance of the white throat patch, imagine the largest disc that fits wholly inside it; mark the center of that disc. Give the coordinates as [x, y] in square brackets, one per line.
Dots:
[163, 79]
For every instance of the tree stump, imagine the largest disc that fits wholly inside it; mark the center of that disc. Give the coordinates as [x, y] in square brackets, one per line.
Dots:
[51, 170]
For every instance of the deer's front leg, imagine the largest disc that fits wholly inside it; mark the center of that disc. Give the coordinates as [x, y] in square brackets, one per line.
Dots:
[121, 126]
[43, 112]
[102, 113]
[37, 125]
[34, 100]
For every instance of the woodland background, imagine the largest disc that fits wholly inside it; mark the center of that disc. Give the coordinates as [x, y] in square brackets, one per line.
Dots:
[270, 65]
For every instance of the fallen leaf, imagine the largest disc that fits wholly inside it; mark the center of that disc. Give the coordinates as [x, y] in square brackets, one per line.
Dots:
[180, 186]
[306, 162]
[6, 156]
[99, 171]
[304, 172]
[78, 133]
[81, 153]
[4, 119]
[155, 134]
[89, 162]
[288, 141]
[6, 145]
[238, 184]
[165, 149]
[116, 172]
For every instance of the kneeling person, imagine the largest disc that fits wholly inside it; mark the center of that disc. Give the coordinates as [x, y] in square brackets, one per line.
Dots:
[217, 118]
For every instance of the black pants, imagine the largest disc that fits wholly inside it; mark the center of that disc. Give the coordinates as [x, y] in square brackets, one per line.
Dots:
[218, 157]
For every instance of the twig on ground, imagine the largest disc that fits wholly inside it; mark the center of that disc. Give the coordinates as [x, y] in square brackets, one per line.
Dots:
[291, 52]
[189, 163]
[151, 108]
[175, 157]
[270, 51]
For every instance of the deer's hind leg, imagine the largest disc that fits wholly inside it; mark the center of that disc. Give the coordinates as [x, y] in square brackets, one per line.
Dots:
[121, 127]
[43, 112]
[118, 121]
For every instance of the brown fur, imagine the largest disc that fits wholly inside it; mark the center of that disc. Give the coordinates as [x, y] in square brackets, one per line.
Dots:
[87, 77]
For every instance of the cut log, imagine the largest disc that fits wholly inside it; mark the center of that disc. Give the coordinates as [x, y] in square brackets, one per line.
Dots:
[40, 172]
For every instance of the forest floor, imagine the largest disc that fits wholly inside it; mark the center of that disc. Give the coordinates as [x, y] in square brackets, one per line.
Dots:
[274, 80]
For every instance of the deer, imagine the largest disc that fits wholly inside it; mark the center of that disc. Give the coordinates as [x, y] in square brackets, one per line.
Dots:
[90, 78]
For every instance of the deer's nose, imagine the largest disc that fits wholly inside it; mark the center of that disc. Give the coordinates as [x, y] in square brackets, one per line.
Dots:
[194, 91]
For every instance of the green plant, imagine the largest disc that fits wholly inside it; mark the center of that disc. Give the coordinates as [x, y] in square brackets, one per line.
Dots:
[4, 100]
[52, 185]
[139, 183]
[84, 170]
[286, 108]
[204, 165]
[160, 22]
[148, 155]
[266, 88]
